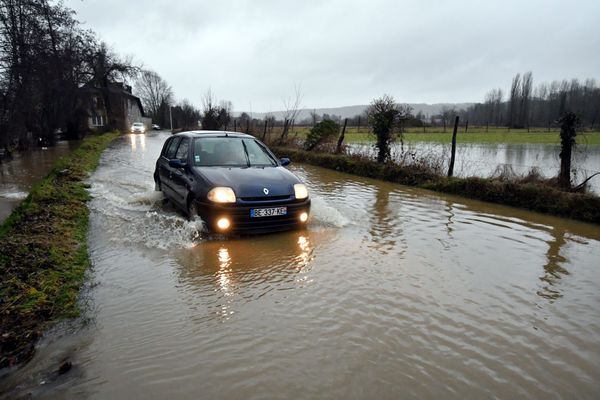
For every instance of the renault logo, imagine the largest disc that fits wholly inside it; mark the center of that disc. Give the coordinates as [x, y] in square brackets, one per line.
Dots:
[266, 191]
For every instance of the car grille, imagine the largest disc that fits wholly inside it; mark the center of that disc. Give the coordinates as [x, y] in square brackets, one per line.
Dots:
[267, 198]
[243, 223]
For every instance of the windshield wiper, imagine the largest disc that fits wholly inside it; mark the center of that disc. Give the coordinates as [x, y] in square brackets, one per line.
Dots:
[246, 153]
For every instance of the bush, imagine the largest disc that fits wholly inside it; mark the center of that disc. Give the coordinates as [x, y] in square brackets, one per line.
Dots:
[323, 132]
[384, 115]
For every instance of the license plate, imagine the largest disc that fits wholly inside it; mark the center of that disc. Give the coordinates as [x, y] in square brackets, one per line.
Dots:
[267, 212]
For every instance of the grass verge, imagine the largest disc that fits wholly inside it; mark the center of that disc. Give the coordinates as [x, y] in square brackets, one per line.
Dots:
[43, 252]
[534, 196]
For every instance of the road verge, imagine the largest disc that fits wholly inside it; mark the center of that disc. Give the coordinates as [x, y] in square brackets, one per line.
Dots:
[534, 196]
[43, 252]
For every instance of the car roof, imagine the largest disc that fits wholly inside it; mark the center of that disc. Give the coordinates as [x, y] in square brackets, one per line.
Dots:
[196, 134]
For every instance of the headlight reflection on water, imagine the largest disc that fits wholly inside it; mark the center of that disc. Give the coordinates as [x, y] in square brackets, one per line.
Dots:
[133, 141]
[224, 281]
[303, 258]
[133, 138]
[224, 271]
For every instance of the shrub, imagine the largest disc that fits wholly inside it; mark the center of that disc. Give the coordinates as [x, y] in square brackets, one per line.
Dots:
[323, 132]
[384, 115]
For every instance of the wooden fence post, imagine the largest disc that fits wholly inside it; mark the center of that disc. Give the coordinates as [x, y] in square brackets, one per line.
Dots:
[452, 156]
[284, 132]
[265, 130]
[338, 149]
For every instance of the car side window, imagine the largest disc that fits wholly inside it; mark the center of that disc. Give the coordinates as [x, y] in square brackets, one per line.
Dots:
[182, 150]
[170, 153]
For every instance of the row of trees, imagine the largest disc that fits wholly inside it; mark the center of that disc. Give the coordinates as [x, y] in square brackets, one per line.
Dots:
[45, 56]
[540, 106]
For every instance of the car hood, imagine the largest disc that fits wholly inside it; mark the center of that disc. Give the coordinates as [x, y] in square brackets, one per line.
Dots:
[251, 182]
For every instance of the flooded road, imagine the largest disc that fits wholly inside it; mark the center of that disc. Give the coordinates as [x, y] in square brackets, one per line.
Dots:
[19, 174]
[390, 293]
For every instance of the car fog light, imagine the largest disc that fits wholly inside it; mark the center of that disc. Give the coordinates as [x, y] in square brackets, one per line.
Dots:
[303, 217]
[223, 224]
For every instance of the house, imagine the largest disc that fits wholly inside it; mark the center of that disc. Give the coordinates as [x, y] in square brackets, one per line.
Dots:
[125, 108]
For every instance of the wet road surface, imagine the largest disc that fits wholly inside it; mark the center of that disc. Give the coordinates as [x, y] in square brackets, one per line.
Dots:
[390, 292]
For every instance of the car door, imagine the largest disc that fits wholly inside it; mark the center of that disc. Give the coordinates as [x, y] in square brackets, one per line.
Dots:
[164, 170]
[180, 177]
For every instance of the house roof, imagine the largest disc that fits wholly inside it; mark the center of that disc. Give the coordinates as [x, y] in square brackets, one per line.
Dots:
[117, 88]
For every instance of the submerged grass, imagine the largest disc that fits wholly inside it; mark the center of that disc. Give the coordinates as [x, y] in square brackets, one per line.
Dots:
[473, 135]
[528, 193]
[43, 252]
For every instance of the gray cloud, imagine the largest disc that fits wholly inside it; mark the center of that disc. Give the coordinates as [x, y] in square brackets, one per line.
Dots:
[347, 52]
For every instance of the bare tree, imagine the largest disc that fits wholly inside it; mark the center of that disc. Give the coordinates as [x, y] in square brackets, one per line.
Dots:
[156, 95]
[185, 116]
[526, 88]
[446, 114]
[291, 106]
[215, 116]
[515, 96]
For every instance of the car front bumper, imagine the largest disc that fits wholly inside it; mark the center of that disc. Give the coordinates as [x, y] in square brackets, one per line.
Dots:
[241, 222]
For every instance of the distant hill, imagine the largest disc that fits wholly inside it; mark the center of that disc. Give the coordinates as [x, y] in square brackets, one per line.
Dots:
[351, 111]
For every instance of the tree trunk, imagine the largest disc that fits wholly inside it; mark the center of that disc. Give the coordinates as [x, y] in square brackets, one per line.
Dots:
[568, 130]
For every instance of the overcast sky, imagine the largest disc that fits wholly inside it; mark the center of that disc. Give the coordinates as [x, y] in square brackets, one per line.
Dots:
[348, 52]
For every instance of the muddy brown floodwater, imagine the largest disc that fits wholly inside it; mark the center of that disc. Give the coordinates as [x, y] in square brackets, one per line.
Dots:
[19, 174]
[390, 293]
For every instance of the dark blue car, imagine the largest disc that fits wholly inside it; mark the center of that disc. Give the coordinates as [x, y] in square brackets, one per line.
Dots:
[232, 181]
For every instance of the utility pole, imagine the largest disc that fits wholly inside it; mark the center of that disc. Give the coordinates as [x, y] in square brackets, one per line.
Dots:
[171, 117]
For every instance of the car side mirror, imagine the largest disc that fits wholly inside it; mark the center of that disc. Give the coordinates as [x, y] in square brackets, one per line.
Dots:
[285, 161]
[176, 163]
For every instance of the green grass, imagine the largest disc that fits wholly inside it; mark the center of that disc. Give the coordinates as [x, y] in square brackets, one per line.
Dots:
[43, 252]
[474, 135]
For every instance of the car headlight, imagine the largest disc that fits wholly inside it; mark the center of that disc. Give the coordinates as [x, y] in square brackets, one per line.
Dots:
[300, 191]
[222, 195]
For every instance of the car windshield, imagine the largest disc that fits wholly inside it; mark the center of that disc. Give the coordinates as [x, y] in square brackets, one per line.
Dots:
[231, 152]
[137, 124]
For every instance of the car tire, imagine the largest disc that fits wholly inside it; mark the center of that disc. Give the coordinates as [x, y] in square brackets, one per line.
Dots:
[192, 210]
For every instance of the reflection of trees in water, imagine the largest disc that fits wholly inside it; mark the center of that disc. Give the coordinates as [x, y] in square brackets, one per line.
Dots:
[553, 270]
[382, 231]
[386, 223]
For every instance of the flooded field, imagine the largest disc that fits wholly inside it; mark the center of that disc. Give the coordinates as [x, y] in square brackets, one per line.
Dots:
[17, 175]
[390, 292]
[485, 159]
